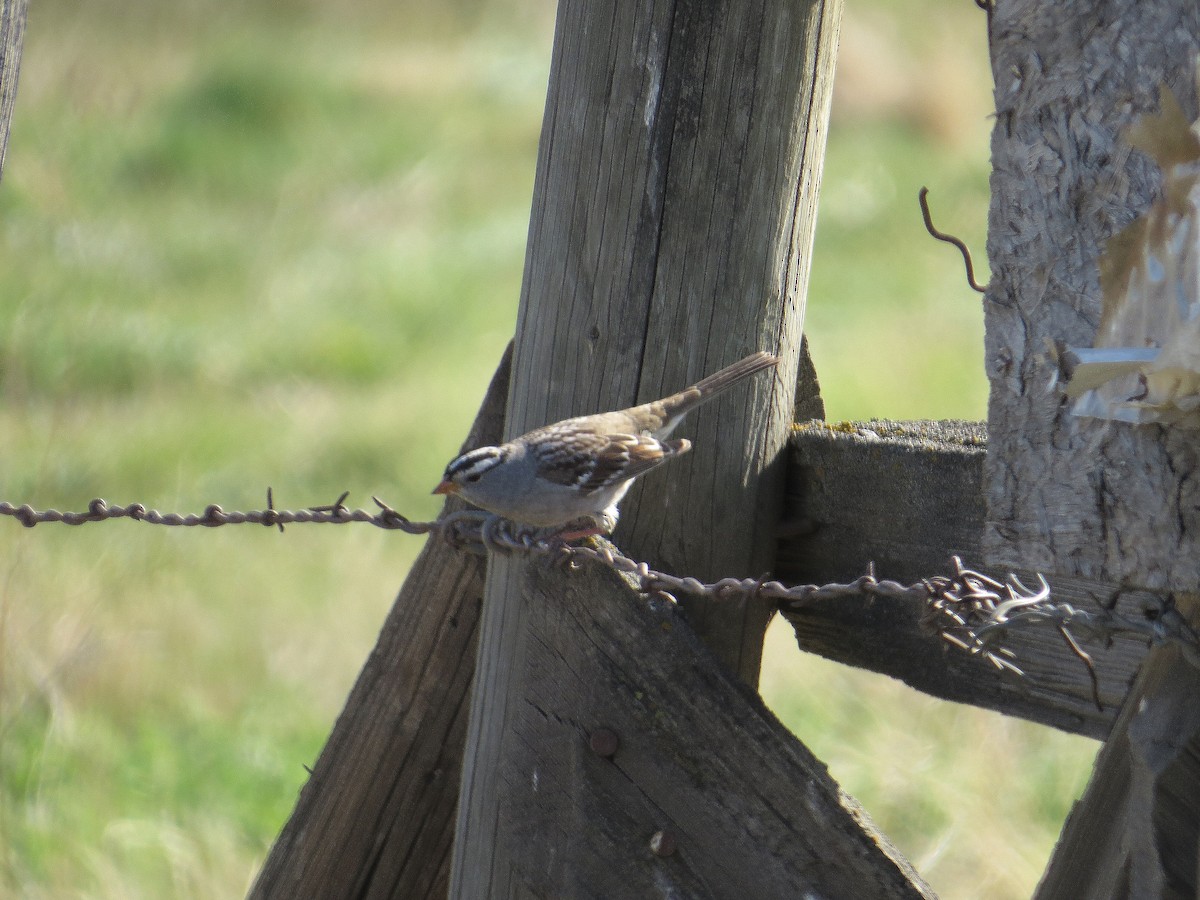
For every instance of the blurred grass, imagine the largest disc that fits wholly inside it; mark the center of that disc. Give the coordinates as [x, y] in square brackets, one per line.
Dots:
[282, 245]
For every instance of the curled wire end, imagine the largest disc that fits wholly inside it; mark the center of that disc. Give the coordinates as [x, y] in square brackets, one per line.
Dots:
[655, 588]
[923, 199]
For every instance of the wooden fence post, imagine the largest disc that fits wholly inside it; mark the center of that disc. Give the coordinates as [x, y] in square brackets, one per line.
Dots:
[1085, 497]
[673, 211]
[1078, 496]
[371, 821]
[609, 754]
[12, 36]
[1134, 832]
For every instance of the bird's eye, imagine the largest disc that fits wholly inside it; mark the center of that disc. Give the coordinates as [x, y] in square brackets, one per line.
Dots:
[474, 477]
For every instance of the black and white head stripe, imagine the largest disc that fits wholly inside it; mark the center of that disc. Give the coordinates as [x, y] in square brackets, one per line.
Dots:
[474, 463]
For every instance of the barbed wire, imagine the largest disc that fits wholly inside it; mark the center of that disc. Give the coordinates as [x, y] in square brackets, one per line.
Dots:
[967, 609]
[974, 612]
[336, 513]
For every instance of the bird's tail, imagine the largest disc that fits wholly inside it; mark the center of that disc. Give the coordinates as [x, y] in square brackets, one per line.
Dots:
[672, 409]
[731, 375]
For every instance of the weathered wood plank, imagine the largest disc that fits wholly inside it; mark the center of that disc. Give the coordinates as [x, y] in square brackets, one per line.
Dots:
[907, 496]
[906, 493]
[377, 816]
[1070, 495]
[749, 811]
[673, 214]
[1135, 831]
[12, 37]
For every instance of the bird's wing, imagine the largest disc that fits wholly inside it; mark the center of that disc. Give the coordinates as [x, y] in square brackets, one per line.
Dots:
[593, 461]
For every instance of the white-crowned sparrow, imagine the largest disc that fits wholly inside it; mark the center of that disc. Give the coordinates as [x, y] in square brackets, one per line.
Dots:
[577, 470]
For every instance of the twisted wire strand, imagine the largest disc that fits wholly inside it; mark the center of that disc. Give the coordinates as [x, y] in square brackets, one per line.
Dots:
[967, 609]
[214, 516]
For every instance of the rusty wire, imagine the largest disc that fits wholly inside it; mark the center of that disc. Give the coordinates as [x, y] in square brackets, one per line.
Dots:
[975, 613]
[967, 609]
[923, 199]
[214, 516]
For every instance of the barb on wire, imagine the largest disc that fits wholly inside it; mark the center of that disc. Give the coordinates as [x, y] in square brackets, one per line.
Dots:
[271, 513]
[923, 199]
[967, 609]
[214, 516]
[337, 507]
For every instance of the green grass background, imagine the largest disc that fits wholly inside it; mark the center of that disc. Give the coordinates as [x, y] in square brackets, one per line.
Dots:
[282, 244]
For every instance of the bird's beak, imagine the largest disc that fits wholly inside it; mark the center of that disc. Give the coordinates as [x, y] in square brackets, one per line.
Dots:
[446, 487]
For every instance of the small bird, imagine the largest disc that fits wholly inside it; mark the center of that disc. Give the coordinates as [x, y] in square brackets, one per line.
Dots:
[575, 472]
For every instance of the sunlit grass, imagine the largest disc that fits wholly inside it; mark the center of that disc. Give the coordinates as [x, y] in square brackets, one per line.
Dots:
[283, 246]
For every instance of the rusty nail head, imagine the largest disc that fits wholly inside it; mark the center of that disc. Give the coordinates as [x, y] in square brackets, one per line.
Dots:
[604, 742]
[662, 843]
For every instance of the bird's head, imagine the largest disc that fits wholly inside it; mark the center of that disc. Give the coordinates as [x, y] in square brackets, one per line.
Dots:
[468, 470]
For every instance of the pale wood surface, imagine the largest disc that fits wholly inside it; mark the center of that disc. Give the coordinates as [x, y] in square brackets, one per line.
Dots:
[376, 818]
[1135, 831]
[906, 496]
[12, 35]
[1069, 495]
[671, 228]
[673, 211]
[698, 756]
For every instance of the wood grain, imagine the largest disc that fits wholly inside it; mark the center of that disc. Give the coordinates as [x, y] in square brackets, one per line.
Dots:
[1135, 832]
[1086, 497]
[673, 212]
[672, 223]
[12, 37]
[1067, 495]
[906, 496]
[750, 811]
